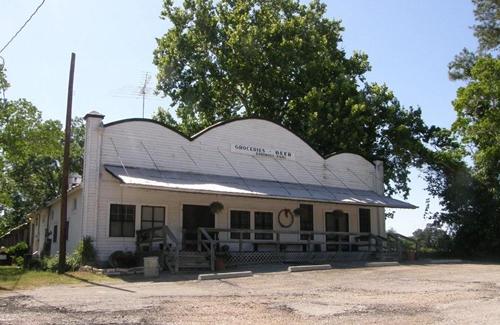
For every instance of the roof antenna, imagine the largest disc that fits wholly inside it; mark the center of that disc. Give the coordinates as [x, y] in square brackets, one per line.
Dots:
[144, 90]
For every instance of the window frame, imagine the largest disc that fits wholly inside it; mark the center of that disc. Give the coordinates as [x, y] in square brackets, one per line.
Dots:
[235, 235]
[153, 221]
[368, 218]
[54, 233]
[133, 221]
[307, 236]
[263, 236]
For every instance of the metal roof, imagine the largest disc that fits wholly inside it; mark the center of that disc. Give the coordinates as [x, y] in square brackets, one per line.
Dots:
[230, 185]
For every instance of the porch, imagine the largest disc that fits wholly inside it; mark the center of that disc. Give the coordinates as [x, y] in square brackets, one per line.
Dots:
[236, 247]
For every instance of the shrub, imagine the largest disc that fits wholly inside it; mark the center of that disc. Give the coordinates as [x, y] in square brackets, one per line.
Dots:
[73, 262]
[19, 249]
[123, 259]
[50, 263]
[19, 261]
[85, 252]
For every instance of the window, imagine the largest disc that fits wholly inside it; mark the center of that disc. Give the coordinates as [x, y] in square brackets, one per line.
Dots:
[152, 217]
[364, 220]
[75, 204]
[240, 220]
[263, 221]
[54, 235]
[122, 220]
[306, 221]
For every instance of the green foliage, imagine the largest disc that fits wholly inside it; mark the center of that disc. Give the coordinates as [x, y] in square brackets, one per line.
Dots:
[19, 249]
[31, 153]
[433, 239]
[487, 29]
[50, 263]
[18, 261]
[283, 61]
[478, 120]
[470, 195]
[85, 253]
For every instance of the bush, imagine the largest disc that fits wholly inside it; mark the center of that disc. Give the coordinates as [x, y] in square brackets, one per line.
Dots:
[50, 263]
[85, 252]
[19, 249]
[123, 259]
[19, 261]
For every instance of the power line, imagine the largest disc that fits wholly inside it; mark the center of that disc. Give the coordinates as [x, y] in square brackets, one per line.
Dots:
[25, 23]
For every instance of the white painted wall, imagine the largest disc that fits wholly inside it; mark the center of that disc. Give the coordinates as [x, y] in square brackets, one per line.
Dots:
[149, 145]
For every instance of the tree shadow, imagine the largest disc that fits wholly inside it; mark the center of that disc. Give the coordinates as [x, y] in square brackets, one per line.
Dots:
[17, 275]
[96, 283]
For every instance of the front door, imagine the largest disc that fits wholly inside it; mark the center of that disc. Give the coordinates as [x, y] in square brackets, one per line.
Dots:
[337, 221]
[193, 217]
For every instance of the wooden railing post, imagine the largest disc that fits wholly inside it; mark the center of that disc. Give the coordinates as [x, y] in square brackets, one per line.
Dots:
[212, 256]
[277, 241]
[199, 239]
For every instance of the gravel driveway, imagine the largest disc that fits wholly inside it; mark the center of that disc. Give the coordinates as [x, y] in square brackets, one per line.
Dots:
[423, 294]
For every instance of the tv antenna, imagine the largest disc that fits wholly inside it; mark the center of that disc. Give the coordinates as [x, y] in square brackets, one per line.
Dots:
[143, 90]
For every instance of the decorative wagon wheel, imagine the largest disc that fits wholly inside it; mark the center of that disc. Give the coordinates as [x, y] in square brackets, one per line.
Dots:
[285, 218]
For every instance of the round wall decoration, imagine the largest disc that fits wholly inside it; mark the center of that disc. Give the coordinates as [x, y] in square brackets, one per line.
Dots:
[285, 218]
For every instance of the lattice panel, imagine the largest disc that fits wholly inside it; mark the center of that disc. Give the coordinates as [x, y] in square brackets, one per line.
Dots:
[249, 258]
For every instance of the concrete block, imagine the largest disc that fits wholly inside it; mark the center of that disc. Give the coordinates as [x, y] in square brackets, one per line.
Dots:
[302, 268]
[446, 261]
[226, 275]
[375, 264]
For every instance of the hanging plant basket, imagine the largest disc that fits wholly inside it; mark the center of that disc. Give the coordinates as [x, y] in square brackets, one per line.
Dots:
[216, 207]
[299, 212]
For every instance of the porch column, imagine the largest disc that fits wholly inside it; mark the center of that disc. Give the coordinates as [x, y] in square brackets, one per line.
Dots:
[378, 185]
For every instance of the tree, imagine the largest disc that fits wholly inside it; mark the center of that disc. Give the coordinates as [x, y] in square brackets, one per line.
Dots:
[470, 195]
[487, 29]
[281, 60]
[433, 238]
[30, 156]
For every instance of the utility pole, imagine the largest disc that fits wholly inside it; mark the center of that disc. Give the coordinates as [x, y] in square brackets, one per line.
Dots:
[66, 162]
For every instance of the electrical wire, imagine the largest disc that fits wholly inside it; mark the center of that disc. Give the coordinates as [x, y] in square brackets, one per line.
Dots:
[24, 25]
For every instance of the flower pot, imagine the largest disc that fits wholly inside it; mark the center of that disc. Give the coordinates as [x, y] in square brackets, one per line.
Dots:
[411, 255]
[220, 264]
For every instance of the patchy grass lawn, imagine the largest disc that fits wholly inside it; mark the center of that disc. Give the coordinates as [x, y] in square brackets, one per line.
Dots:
[13, 278]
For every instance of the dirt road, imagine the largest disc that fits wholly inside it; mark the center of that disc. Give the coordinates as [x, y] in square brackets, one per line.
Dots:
[423, 294]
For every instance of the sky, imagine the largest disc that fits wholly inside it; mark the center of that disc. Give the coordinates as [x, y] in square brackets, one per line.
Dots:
[409, 44]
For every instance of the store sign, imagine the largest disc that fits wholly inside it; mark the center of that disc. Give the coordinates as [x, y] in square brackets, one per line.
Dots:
[251, 150]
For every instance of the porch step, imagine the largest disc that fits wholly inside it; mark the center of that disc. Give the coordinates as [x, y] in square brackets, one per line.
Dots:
[193, 260]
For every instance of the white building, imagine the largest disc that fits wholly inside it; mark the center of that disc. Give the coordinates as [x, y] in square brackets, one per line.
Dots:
[246, 174]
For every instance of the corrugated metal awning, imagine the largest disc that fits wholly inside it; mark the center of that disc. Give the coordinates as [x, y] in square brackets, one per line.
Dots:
[230, 185]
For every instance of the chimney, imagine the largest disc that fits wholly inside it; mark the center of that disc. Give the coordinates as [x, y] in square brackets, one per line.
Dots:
[74, 179]
[91, 169]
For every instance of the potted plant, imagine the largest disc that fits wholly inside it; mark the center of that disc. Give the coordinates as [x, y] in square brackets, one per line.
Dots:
[298, 212]
[216, 207]
[221, 257]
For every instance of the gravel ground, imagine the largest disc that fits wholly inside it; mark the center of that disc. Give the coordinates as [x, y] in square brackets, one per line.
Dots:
[423, 294]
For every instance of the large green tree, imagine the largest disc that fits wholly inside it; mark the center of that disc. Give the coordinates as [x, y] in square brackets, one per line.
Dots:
[470, 193]
[283, 60]
[30, 158]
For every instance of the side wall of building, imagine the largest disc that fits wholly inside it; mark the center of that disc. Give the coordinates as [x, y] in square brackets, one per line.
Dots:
[45, 220]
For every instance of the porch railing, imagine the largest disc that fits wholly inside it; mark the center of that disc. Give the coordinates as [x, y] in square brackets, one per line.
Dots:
[211, 240]
[169, 252]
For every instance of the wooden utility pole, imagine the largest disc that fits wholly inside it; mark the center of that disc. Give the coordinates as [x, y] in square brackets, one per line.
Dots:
[65, 172]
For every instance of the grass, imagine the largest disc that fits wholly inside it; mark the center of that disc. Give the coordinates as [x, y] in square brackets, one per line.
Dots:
[13, 278]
